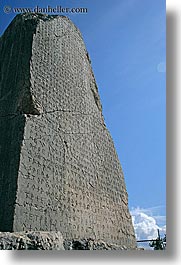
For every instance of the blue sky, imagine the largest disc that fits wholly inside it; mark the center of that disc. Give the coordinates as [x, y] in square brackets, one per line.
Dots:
[126, 43]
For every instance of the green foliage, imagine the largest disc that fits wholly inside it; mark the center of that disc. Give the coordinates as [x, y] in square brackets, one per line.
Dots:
[159, 243]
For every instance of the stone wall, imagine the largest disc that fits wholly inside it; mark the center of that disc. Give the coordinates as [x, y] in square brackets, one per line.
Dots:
[60, 170]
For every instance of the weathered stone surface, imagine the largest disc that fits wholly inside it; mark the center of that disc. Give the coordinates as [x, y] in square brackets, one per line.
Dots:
[50, 241]
[31, 241]
[59, 170]
[91, 244]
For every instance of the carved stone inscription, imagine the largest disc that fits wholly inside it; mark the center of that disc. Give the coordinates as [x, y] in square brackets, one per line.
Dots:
[69, 176]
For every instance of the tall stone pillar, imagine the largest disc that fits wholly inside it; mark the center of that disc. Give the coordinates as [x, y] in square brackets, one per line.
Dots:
[59, 170]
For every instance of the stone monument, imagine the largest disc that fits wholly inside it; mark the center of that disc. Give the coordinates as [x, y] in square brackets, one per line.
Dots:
[59, 170]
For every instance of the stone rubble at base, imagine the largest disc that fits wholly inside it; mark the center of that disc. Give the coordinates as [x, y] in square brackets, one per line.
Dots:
[41, 240]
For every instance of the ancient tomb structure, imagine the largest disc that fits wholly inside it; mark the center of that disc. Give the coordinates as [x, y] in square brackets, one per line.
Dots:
[59, 170]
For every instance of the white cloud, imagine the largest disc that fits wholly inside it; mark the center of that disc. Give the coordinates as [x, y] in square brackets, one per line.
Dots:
[146, 223]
